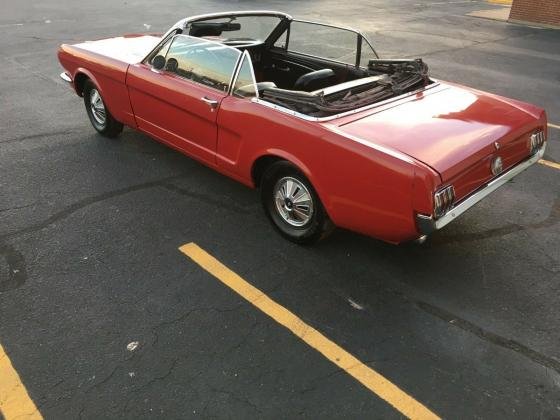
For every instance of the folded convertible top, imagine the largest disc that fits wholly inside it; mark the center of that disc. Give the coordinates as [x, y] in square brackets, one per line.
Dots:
[391, 78]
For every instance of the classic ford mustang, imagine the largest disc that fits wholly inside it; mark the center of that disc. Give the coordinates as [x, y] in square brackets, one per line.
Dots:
[307, 112]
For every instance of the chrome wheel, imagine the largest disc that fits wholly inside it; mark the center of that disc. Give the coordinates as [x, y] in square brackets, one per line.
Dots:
[97, 107]
[293, 200]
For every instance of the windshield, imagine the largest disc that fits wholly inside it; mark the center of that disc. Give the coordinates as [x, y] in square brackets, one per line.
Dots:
[234, 28]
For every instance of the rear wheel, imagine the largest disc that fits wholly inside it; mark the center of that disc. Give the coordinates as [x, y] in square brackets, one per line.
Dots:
[98, 114]
[292, 205]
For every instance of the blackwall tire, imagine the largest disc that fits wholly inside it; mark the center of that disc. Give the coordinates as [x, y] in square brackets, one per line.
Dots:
[98, 114]
[292, 204]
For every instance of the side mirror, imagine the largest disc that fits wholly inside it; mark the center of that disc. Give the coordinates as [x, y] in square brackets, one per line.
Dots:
[158, 62]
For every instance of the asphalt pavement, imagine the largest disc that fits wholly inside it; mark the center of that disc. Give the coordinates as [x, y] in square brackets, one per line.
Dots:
[467, 324]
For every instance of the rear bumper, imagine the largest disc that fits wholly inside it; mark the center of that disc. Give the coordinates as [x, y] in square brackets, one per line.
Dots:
[427, 224]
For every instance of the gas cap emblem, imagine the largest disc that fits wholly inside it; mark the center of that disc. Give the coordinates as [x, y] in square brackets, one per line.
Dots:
[496, 165]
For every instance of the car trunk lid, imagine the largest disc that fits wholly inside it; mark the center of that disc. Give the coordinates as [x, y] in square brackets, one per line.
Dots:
[454, 130]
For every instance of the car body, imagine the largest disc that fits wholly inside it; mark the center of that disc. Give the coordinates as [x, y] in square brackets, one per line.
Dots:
[384, 149]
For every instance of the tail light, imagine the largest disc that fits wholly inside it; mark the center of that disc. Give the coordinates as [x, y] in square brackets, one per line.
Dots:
[443, 200]
[536, 141]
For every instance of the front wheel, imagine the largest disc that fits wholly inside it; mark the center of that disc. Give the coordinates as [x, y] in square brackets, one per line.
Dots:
[293, 206]
[98, 114]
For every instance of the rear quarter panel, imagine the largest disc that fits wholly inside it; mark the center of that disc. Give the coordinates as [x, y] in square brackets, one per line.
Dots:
[108, 74]
[363, 189]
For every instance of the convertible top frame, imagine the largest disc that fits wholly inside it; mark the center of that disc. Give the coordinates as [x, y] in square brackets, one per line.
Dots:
[283, 25]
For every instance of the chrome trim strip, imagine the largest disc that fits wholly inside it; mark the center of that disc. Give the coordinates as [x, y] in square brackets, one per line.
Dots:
[383, 149]
[66, 77]
[346, 85]
[346, 28]
[238, 70]
[426, 224]
[344, 114]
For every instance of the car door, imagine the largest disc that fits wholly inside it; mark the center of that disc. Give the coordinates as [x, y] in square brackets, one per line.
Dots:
[176, 96]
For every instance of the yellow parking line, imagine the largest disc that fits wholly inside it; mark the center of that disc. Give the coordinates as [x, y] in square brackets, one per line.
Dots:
[554, 126]
[500, 1]
[368, 377]
[549, 163]
[14, 399]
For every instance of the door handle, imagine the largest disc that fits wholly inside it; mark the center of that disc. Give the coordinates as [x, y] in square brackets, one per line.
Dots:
[211, 102]
[280, 68]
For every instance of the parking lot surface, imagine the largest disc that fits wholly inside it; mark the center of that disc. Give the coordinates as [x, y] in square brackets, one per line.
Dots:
[102, 316]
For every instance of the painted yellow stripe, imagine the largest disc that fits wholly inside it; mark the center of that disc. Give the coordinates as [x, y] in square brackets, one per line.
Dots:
[554, 126]
[500, 1]
[549, 163]
[368, 377]
[14, 399]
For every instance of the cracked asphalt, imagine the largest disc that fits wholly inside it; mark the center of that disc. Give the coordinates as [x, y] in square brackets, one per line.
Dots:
[468, 324]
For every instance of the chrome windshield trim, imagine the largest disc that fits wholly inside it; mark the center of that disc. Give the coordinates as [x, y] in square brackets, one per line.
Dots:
[427, 224]
[66, 77]
[244, 56]
[236, 13]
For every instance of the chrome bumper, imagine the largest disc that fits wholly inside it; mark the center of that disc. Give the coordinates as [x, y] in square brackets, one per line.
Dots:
[427, 224]
[66, 77]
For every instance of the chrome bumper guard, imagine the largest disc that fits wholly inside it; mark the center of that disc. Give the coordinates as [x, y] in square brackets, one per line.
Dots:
[66, 77]
[427, 224]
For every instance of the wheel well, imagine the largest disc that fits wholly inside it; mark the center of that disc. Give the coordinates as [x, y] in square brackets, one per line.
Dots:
[260, 166]
[79, 82]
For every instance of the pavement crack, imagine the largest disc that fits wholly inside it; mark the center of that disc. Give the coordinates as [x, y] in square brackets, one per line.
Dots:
[38, 135]
[162, 324]
[104, 380]
[162, 377]
[183, 317]
[30, 70]
[516, 346]
[66, 212]
[233, 395]
[207, 199]
[16, 208]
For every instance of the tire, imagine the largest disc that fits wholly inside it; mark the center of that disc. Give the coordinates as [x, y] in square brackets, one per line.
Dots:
[98, 114]
[292, 205]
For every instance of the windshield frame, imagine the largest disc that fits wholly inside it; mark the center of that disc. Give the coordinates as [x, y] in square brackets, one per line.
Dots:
[283, 25]
[233, 18]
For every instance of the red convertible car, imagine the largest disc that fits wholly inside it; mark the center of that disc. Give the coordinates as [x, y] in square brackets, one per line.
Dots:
[331, 134]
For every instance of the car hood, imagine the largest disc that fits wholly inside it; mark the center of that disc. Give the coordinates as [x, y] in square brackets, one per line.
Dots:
[130, 49]
[447, 127]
